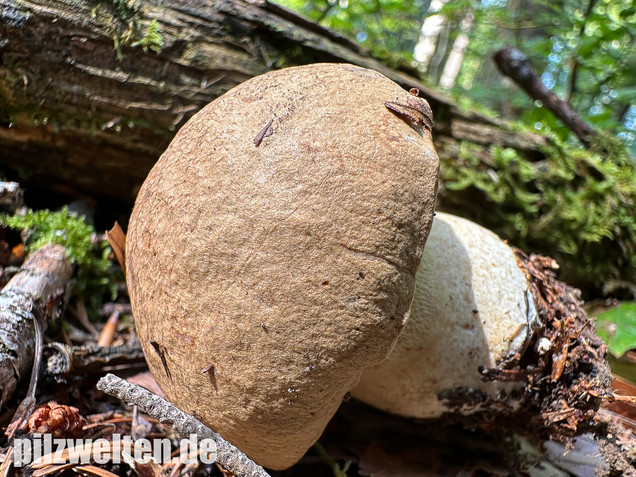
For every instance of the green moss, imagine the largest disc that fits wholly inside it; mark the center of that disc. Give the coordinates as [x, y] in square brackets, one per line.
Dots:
[60, 228]
[575, 204]
[95, 275]
[151, 39]
[120, 19]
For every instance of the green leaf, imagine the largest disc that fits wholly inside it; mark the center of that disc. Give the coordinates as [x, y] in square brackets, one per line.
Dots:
[617, 327]
[626, 93]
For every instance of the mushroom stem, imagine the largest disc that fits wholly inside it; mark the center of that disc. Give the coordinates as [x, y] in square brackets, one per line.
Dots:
[522, 346]
[471, 302]
[183, 424]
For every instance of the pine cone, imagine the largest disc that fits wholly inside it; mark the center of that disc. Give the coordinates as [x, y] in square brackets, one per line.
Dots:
[59, 420]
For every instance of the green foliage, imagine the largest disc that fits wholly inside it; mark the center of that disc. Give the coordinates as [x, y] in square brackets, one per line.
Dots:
[152, 39]
[617, 327]
[584, 51]
[94, 276]
[389, 28]
[55, 227]
[575, 204]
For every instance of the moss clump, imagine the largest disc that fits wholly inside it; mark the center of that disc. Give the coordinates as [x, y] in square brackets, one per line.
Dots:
[120, 19]
[95, 276]
[151, 39]
[574, 204]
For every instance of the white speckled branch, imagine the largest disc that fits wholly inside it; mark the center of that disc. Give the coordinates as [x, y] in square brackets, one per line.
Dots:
[183, 424]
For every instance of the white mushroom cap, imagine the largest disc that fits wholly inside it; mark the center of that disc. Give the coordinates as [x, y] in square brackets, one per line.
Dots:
[471, 308]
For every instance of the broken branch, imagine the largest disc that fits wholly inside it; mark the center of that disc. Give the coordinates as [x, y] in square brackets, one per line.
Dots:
[183, 424]
[43, 276]
[514, 64]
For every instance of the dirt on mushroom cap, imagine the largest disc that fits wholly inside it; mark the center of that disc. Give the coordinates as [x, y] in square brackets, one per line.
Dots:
[272, 251]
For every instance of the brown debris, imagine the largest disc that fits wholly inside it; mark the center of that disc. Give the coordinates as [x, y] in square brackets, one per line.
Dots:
[117, 240]
[265, 132]
[414, 109]
[566, 385]
[59, 420]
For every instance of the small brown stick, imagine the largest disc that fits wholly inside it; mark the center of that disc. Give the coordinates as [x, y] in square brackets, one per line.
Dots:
[108, 332]
[82, 316]
[513, 63]
[266, 131]
[183, 424]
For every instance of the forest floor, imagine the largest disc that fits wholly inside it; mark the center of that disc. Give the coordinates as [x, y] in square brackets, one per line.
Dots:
[93, 336]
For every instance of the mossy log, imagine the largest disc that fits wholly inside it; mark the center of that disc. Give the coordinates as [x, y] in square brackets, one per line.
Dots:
[92, 92]
[84, 109]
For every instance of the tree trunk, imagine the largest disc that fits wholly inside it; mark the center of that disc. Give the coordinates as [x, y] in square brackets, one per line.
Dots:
[90, 97]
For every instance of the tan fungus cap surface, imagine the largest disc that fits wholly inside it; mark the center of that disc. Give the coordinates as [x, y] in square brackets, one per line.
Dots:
[274, 245]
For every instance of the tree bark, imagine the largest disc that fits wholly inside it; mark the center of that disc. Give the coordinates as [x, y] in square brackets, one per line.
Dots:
[85, 110]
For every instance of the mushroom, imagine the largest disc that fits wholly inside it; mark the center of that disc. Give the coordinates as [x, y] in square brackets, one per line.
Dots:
[472, 302]
[272, 250]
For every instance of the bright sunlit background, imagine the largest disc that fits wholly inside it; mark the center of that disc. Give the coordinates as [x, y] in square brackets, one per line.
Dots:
[585, 51]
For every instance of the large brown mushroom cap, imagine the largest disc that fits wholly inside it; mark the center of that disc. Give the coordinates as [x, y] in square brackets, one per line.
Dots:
[272, 251]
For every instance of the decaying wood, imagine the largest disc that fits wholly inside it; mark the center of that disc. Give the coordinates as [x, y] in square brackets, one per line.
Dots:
[28, 296]
[564, 367]
[63, 361]
[11, 194]
[183, 424]
[514, 64]
[88, 118]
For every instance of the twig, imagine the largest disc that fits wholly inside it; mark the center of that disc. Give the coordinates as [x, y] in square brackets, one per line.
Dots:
[82, 317]
[27, 405]
[513, 63]
[44, 275]
[183, 424]
[110, 328]
[62, 361]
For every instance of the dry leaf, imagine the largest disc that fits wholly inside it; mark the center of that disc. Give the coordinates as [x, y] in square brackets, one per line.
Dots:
[147, 380]
[117, 240]
[108, 332]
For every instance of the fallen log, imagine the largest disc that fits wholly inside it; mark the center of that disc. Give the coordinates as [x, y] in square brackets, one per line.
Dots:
[91, 94]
